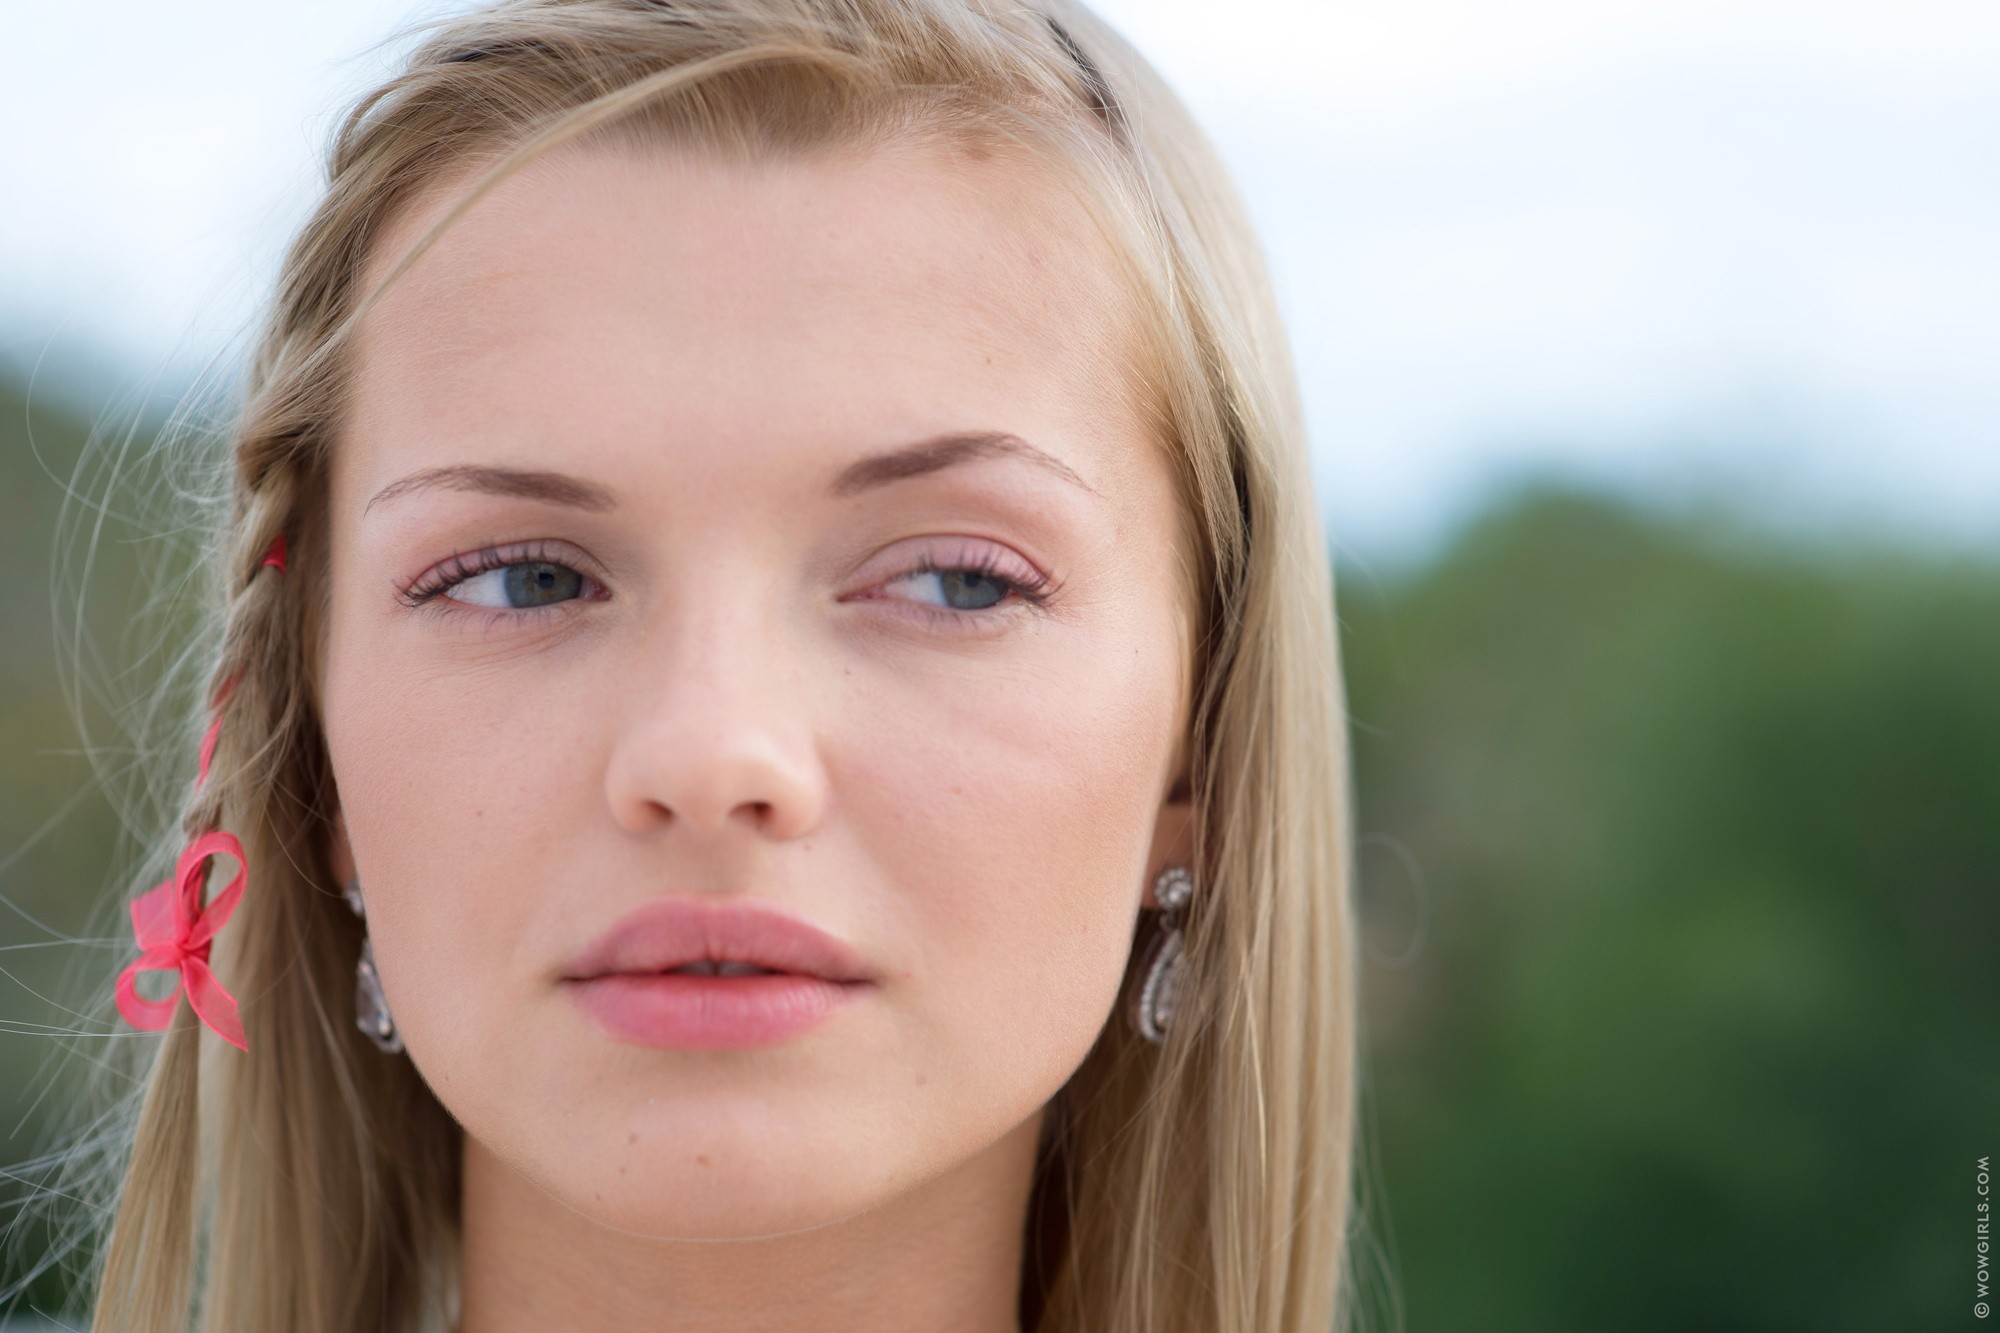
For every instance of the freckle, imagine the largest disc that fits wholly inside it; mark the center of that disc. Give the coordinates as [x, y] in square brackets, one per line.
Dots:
[701, 1160]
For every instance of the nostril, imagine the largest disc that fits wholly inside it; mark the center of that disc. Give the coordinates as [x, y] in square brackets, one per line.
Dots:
[760, 812]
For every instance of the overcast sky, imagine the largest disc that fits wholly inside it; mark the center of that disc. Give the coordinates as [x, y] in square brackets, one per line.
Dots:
[1749, 243]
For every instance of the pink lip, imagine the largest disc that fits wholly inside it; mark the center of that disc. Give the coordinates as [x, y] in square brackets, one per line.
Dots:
[622, 979]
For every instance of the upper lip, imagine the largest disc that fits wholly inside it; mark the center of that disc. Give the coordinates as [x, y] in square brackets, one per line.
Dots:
[670, 932]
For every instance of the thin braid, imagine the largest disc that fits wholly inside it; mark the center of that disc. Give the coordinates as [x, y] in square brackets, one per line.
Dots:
[175, 922]
[140, 1292]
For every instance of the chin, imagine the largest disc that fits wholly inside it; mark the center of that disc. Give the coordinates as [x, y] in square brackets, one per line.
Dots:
[724, 1185]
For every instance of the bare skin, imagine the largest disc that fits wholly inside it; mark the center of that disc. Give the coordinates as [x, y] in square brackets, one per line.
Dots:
[744, 688]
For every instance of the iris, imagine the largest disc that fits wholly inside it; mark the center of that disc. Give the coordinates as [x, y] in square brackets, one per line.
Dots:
[538, 583]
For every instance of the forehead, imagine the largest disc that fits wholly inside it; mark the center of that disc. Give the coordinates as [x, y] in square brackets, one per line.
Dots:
[620, 295]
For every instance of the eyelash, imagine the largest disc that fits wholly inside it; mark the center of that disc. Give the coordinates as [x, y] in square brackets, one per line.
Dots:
[470, 564]
[1033, 592]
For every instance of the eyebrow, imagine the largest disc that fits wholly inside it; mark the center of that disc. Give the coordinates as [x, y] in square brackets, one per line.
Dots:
[943, 451]
[911, 460]
[520, 483]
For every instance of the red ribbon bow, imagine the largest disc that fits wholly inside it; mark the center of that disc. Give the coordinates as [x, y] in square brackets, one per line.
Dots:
[174, 931]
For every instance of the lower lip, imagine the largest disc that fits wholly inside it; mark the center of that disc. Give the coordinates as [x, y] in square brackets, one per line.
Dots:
[682, 1012]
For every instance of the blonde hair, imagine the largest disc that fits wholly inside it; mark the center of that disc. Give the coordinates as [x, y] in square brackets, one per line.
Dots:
[311, 1184]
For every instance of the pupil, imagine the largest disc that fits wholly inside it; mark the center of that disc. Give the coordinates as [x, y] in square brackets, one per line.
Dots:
[957, 582]
[537, 583]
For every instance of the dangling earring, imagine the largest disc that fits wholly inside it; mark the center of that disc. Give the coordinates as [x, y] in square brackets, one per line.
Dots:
[1165, 959]
[371, 1007]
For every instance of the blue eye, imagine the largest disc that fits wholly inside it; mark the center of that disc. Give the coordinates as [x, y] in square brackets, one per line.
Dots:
[524, 584]
[965, 589]
[960, 589]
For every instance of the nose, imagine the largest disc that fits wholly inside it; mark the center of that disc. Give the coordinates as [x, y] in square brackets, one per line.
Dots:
[719, 736]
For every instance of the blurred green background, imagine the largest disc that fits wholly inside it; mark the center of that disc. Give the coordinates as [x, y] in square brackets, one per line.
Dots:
[1680, 843]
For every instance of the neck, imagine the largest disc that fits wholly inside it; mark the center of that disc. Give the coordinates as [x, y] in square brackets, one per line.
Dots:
[944, 1255]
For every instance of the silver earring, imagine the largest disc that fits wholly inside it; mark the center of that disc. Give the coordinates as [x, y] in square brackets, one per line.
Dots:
[1165, 959]
[371, 1007]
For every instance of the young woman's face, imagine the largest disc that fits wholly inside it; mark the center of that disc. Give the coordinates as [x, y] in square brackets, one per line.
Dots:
[770, 560]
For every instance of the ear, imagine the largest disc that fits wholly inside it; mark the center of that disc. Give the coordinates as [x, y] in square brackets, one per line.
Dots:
[1173, 833]
[339, 853]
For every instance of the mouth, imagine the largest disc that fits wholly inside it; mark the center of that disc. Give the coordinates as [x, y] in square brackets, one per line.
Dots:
[710, 967]
[684, 974]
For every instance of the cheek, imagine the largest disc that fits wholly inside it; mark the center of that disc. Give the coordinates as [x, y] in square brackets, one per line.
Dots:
[1011, 821]
[462, 801]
